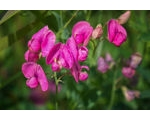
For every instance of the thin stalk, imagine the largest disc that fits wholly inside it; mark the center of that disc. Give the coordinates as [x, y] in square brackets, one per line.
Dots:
[56, 82]
[112, 92]
[67, 23]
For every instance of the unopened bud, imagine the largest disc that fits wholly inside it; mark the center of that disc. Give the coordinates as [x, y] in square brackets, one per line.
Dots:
[122, 19]
[135, 60]
[97, 32]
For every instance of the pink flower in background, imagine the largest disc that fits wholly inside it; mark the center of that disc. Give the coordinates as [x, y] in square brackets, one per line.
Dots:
[135, 60]
[39, 97]
[42, 41]
[35, 75]
[128, 72]
[82, 32]
[130, 94]
[116, 33]
[102, 65]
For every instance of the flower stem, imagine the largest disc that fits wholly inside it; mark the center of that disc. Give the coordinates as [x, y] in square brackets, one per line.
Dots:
[67, 23]
[56, 82]
[112, 92]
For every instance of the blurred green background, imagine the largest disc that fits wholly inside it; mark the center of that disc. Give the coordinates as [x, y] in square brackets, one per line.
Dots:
[17, 27]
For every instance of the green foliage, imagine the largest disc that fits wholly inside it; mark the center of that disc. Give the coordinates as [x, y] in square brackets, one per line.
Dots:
[17, 27]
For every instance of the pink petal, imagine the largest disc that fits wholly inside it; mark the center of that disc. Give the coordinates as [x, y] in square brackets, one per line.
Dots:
[31, 56]
[48, 43]
[83, 53]
[29, 69]
[42, 79]
[128, 72]
[53, 54]
[75, 71]
[102, 65]
[67, 57]
[32, 82]
[83, 76]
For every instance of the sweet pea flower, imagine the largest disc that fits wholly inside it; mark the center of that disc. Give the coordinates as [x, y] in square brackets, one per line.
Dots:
[35, 75]
[135, 60]
[116, 33]
[82, 32]
[130, 94]
[102, 65]
[128, 72]
[42, 41]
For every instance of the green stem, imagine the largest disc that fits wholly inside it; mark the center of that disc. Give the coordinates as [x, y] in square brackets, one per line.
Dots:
[56, 82]
[112, 93]
[67, 23]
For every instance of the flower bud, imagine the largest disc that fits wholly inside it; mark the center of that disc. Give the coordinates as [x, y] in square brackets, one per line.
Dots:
[97, 32]
[83, 53]
[128, 72]
[124, 17]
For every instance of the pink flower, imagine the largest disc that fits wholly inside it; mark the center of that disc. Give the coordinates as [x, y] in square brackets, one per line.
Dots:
[130, 94]
[102, 65]
[82, 32]
[128, 72]
[116, 33]
[42, 41]
[35, 75]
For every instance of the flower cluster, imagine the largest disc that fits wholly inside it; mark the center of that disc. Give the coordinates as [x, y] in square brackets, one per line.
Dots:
[69, 55]
[58, 55]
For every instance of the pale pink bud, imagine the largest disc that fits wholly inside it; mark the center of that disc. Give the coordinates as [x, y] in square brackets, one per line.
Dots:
[124, 17]
[97, 32]
[135, 60]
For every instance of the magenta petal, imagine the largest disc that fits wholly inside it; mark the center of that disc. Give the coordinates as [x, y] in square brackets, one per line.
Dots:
[48, 43]
[42, 79]
[75, 71]
[116, 33]
[55, 66]
[32, 82]
[83, 53]
[83, 76]
[29, 69]
[67, 57]
[31, 56]
[53, 54]
[73, 48]
[112, 29]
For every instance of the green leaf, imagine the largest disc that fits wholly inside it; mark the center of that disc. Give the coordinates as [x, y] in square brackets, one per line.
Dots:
[8, 15]
[145, 94]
